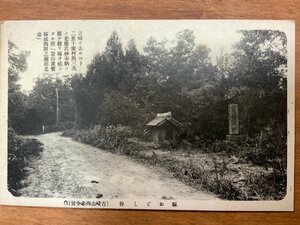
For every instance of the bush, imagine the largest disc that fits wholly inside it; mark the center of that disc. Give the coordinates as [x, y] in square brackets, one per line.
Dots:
[105, 137]
[269, 186]
[19, 150]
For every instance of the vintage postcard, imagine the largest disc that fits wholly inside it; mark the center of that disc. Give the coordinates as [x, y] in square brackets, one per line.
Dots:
[148, 114]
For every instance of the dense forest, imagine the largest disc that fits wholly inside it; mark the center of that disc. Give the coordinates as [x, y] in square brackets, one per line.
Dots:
[125, 86]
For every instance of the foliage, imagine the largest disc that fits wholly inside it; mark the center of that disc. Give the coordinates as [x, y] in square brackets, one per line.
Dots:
[256, 79]
[19, 151]
[269, 150]
[108, 137]
[128, 87]
[43, 100]
[17, 64]
[183, 77]
[119, 109]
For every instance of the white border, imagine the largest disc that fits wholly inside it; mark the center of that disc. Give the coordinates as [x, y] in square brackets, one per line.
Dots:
[287, 204]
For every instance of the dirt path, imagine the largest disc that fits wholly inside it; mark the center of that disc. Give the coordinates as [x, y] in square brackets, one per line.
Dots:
[70, 169]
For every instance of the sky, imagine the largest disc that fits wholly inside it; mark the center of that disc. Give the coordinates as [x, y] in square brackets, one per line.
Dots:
[216, 35]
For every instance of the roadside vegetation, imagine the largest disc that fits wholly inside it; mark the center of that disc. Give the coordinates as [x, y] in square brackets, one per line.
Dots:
[20, 151]
[232, 171]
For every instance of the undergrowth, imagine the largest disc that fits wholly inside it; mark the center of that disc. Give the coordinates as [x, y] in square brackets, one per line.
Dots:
[19, 151]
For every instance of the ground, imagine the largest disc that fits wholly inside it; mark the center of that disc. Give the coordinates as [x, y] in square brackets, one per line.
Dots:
[67, 168]
[227, 172]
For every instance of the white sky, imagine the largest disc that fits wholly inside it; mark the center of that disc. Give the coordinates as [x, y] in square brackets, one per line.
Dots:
[216, 35]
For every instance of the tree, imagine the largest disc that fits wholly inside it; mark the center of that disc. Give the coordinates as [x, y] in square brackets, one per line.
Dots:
[42, 101]
[134, 64]
[157, 56]
[114, 62]
[105, 73]
[132, 57]
[119, 109]
[181, 54]
[257, 79]
[17, 61]
[179, 67]
[84, 108]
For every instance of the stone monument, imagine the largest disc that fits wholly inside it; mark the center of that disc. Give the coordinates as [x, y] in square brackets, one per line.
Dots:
[233, 117]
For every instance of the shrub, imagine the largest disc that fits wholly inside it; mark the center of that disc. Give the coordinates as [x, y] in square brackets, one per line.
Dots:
[19, 150]
[270, 150]
[105, 137]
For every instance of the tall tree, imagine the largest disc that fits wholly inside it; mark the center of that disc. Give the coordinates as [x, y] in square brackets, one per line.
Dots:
[17, 61]
[157, 56]
[179, 66]
[257, 79]
[105, 73]
[134, 64]
[42, 100]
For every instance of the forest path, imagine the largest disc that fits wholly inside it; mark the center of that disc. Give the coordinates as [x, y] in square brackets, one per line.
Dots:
[67, 168]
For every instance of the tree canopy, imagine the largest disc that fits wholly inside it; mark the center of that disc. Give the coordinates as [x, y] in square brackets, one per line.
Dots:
[126, 86]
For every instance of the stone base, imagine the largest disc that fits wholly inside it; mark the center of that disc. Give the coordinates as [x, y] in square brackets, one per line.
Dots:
[235, 137]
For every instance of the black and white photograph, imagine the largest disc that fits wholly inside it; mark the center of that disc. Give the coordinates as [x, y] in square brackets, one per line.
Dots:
[148, 114]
